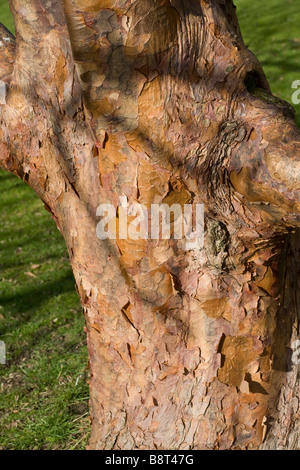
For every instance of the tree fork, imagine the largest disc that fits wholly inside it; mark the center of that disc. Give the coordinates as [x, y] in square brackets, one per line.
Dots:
[161, 102]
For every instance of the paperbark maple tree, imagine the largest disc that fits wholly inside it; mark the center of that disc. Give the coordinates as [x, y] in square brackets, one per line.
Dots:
[161, 102]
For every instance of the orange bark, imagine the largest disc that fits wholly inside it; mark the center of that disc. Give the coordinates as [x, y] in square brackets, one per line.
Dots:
[161, 102]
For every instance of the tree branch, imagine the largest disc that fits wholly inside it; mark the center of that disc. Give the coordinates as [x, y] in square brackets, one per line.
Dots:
[42, 40]
[7, 54]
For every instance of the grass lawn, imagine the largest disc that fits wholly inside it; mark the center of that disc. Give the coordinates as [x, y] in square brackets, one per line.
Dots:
[44, 391]
[43, 387]
[5, 15]
[271, 30]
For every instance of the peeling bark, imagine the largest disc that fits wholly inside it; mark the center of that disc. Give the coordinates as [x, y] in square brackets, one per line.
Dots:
[161, 102]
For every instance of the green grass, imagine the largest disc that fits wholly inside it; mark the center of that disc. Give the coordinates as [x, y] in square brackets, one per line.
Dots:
[271, 30]
[43, 386]
[44, 391]
[5, 15]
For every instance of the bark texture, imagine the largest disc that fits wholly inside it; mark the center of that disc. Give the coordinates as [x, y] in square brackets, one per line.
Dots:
[161, 102]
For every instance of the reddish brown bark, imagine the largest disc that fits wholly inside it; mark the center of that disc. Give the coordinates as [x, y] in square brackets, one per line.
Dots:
[188, 349]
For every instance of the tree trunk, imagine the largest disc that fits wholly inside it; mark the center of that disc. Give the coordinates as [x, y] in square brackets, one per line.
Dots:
[160, 102]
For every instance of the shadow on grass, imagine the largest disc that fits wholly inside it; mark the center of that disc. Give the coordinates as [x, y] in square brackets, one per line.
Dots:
[30, 299]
